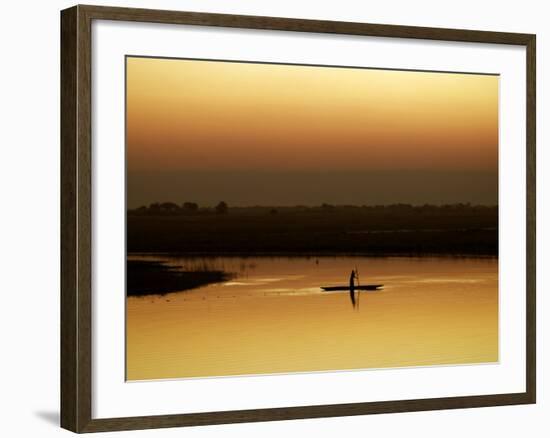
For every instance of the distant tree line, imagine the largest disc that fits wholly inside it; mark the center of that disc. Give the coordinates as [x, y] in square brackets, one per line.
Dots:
[222, 208]
[171, 208]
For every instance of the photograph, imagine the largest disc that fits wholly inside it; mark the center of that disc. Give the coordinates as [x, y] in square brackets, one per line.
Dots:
[268, 217]
[299, 218]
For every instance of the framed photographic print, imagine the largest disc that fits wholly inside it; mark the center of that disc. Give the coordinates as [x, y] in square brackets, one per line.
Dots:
[271, 218]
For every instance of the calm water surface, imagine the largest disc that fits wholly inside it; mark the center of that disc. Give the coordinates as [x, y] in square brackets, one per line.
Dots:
[272, 317]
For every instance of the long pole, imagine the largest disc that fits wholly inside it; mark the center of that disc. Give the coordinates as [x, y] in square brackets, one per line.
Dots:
[358, 287]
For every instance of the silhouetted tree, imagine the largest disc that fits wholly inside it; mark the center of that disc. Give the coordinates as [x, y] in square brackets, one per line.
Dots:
[222, 208]
[169, 206]
[190, 207]
[154, 207]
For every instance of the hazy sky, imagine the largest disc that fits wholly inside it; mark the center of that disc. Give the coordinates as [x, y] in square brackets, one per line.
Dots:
[249, 134]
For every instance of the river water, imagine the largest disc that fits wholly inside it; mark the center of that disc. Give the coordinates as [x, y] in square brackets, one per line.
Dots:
[272, 317]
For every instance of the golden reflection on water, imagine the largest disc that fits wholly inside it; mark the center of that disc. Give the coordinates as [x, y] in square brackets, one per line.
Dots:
[273, 318]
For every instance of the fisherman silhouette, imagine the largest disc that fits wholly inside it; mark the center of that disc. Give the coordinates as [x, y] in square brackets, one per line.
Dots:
[352, 278]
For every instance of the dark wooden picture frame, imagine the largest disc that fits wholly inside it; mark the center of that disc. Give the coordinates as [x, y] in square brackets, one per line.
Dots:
[76, 218]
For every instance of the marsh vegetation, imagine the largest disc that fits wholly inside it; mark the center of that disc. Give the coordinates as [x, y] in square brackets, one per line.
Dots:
[401, 229]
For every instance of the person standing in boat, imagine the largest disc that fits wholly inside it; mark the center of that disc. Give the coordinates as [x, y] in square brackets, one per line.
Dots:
[352, 278]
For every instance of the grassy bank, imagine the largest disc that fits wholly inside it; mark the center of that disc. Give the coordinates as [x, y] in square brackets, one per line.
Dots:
[400, 229]
[151, 277]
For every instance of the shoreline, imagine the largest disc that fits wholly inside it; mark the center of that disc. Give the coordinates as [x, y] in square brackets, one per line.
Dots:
[290, 254]
[157, 278]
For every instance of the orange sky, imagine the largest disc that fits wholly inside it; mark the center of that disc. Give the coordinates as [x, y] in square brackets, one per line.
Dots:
[189, 115]
[203, 115]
